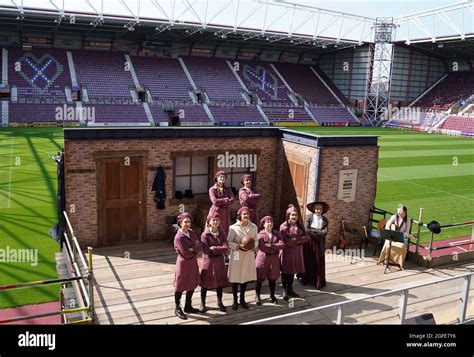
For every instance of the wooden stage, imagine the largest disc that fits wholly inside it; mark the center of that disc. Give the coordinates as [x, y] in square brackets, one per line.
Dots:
[135, 286]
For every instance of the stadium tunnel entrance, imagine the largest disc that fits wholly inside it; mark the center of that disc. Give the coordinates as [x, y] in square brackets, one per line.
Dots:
[113, 177]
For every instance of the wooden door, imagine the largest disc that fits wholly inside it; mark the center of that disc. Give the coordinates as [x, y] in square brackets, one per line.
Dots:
[295, 177]
[121, 211]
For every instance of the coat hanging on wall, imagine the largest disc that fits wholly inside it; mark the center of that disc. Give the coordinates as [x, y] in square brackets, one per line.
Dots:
[159, 187]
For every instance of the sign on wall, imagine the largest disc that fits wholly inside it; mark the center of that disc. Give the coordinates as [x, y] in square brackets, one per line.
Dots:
[347, 185]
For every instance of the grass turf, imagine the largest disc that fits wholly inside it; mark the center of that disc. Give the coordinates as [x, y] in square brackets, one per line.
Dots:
[28, 210]
[416, 169]
[435, 172]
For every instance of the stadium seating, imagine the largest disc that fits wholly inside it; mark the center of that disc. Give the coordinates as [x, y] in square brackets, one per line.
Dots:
[456, 86]
[333, 114]
[464, 124]
[119, 114]
[42, 73]
[187, 113]
[286, 114]
[163, 77]
[103, 73]
[303, 81]
[236, 113]
[261, 79]
[30, 113]
[214, 77]
[469, 111]
[416, 118]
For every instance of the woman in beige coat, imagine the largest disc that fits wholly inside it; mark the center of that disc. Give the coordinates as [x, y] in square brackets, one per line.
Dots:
[242, 267]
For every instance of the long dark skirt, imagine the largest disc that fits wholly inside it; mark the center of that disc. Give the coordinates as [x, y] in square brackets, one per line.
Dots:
[314, 262]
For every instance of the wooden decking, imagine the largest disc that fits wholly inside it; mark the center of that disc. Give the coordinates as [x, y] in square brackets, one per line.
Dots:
[135, 286]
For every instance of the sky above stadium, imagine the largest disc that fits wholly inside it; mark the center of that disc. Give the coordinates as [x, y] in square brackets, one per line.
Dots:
[377, 8]
[279, 16]
[369, 8]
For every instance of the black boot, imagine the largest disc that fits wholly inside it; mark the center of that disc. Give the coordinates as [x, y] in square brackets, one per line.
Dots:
[219, 300]
[301, 278]
[188, 307]
[243, 287]
[290, 290]
[284, 283]
[272, 284]
[202, 308]
[177, 300]
[258, 289]
[235, 305]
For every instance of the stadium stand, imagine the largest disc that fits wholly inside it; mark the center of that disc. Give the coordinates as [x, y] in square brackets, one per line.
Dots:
[214, 77]
[40, 74]
[456, 86]
[117, 114]
[332, 114]
[31, 113]
[460, 123]
[236, 113]
[304, 82]
[163, 77]
[322, 103]
[40, 78]
[44, 76]
[260, 79]
[103, 74]
[216, 80]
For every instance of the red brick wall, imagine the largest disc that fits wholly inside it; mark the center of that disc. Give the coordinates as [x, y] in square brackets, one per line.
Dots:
[81, 188]
[363, 158]
[81, 179]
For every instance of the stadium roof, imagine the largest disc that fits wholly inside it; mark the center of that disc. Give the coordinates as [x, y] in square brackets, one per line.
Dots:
[257, 23]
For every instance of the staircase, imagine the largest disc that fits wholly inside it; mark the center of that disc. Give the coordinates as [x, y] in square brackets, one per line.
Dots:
[4, 113]
[4, 66]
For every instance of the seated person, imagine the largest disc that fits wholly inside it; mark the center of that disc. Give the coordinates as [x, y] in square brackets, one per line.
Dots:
[401, 223]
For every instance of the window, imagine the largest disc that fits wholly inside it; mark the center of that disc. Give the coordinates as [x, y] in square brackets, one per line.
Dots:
[192, 173]
[234, 174]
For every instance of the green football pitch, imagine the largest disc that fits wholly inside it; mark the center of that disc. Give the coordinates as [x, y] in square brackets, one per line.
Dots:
[417, 169]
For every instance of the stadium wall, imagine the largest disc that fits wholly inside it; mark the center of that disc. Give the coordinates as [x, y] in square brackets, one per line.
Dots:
[412, 73]
[347, 69]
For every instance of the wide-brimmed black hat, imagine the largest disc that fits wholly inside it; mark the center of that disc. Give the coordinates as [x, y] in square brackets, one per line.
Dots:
[434, 227]
[311, 206]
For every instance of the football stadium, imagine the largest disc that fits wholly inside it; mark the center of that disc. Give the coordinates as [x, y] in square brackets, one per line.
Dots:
[312, 164]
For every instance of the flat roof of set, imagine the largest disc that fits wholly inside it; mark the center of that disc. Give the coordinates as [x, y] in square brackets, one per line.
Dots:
[218, 132]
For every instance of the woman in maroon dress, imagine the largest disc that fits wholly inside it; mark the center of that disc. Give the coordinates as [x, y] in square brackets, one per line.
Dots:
[316, 226]
[293, 234]
[268, 259]
[221, 197]
[249, 197]
[213, 271]
[186, 277]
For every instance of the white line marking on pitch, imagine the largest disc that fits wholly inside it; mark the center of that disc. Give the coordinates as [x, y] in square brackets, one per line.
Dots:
[10, 173]
[431, 188]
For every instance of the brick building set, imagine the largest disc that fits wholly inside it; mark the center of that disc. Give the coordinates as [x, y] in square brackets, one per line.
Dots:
[109, 174]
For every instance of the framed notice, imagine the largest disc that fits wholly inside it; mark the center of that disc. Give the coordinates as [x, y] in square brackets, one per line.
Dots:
[347, 185]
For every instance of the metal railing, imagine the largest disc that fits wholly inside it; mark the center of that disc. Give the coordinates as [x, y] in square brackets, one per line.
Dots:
[79, 273]
[402, 308]
[415, 238]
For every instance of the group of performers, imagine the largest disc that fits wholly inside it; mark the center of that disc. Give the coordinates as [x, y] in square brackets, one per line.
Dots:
[255, 250]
